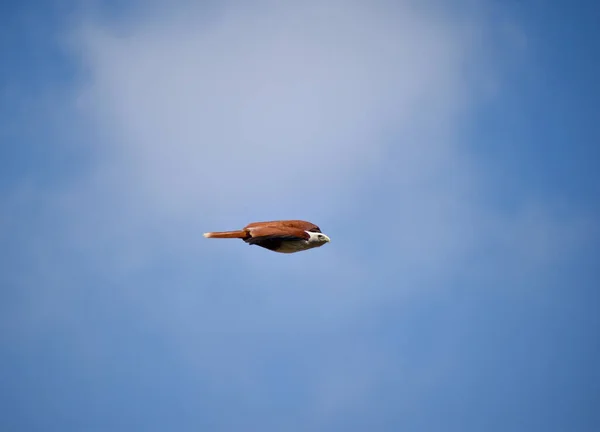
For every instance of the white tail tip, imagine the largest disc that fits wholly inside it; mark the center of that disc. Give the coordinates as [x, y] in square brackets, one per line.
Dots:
[207, 235]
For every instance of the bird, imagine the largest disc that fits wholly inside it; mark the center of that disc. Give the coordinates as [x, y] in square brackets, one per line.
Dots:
[282, 236]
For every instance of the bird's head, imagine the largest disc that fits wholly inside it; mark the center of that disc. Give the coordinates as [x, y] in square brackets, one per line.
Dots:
[318, 239]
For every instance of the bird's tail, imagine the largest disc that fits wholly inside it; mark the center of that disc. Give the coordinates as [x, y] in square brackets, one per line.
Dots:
[227, 234]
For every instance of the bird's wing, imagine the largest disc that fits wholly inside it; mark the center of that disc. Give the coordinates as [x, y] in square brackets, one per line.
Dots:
[286, 224]
[260, 233]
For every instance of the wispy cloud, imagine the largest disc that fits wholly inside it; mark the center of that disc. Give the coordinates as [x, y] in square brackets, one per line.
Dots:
[274, 110]
[278, 107]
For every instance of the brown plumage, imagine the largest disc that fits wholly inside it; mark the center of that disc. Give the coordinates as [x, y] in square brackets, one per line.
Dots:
[284, 236]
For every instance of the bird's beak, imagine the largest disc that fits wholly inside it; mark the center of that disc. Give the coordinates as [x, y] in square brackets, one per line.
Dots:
[327, 239]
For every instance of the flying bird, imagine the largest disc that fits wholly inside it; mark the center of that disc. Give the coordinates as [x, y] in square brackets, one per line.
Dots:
[283, 236]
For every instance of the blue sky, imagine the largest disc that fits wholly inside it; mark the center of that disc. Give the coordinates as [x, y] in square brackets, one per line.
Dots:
[449, 150]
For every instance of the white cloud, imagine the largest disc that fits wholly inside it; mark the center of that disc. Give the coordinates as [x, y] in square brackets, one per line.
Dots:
[273, 108]
[345, 113]
[206, 119]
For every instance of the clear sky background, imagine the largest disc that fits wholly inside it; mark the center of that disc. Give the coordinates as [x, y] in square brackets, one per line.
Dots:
[449, 149]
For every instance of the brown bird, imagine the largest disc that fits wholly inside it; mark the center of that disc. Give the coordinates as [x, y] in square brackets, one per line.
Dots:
[284, 236]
